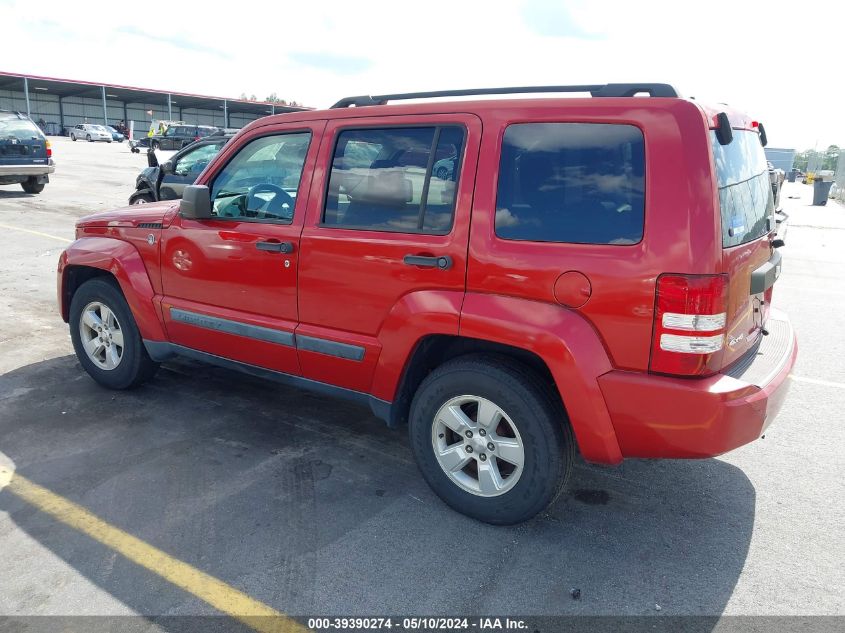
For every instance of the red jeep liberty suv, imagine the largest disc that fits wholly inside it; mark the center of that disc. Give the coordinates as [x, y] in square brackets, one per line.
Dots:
[513, 278]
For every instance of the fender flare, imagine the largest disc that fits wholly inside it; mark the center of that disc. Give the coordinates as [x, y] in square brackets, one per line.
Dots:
[145, 188]
[571, 349]
[416, 315]
[123, 261]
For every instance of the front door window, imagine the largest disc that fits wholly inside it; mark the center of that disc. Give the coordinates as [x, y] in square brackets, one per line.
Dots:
[260, 183]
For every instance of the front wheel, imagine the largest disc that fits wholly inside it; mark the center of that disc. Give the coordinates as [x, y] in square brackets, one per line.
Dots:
[73, 137]
[88, 138]
[491, 439]
[31, 185]
[105, 337]
[141, 198]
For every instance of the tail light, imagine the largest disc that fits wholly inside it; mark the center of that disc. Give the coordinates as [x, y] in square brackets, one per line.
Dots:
[49, 148]
[689, 324]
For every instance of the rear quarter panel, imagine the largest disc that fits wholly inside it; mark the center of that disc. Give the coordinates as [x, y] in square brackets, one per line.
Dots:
[681, 230]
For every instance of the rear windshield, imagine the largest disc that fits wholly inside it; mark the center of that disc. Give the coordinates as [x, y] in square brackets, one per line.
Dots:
[745, 192]
[12, 127]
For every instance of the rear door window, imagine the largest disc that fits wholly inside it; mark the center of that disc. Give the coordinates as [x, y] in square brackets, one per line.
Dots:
[745, 193]
[580, 183]
[390, 179]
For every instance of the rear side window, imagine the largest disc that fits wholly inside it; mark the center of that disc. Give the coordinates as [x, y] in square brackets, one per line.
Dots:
[395, 179]
[746, 200]
[580, 183]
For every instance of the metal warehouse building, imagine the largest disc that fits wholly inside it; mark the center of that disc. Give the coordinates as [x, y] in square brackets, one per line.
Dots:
[63, 103]
[781, 158]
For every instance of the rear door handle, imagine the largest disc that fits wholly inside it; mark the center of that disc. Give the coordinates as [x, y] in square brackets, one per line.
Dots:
[275, 247]
[443, 262]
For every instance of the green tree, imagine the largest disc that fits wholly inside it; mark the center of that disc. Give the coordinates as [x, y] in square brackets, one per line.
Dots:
[830, 157]
[801, 160]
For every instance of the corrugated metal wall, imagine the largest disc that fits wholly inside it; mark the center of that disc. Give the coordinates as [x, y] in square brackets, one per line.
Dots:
[90, 110]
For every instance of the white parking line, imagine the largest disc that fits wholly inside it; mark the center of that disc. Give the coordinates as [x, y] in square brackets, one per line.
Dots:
[816, 381]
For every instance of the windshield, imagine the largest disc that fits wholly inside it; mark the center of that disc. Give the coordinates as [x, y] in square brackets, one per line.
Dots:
[21, 129]
[745, 192]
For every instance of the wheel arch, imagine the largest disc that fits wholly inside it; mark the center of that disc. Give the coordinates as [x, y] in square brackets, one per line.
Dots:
[91, 257]
[433, 350]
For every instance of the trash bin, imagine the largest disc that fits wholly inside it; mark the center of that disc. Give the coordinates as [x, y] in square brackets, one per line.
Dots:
[821, 188]
[791, 175]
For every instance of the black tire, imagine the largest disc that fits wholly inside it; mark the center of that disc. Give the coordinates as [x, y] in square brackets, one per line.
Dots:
[442, 173]
[88, 138]
[73, 137]
[31, 185]
[135, 366]
[548, 443]
[141, 198]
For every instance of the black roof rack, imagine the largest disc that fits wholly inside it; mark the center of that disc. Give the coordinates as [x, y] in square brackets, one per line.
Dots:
[596, 90]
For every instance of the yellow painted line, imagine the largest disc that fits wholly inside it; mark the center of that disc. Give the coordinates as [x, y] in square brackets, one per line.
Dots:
[816, 381]
[39, 233]
[209, 589]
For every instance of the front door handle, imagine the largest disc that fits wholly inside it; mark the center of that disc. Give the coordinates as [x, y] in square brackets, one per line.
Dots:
[275, 247]
[443, 262]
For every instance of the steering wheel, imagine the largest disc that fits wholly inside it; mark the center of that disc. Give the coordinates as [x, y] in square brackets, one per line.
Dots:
[276, 204]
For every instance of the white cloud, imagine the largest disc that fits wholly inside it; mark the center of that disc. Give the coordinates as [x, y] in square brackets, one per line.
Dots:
[780, 62]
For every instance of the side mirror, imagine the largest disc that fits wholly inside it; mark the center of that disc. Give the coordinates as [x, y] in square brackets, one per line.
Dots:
[196, 202]
[167, 167]
[152, 161]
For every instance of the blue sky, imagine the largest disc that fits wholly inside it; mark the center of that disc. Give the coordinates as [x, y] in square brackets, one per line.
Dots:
[760, 56]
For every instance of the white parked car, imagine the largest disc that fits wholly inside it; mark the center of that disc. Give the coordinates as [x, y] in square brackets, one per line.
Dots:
[90, 132]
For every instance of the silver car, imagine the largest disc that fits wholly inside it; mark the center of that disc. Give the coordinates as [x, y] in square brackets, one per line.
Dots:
[90, 132]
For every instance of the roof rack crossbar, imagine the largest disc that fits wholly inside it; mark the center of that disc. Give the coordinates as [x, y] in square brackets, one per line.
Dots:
[596, 90]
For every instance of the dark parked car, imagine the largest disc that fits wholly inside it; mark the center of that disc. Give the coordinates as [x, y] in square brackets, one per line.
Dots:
[168, 181]
[178, 136]
[25, 153]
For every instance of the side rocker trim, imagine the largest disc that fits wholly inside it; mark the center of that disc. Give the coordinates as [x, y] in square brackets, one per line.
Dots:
[161, 351]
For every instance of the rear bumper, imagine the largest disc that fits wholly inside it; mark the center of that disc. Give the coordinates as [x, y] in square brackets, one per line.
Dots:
[656, 416]
[27, 170]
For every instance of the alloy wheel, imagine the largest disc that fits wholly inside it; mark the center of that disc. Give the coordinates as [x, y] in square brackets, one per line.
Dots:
[101, 335]
[478, 446]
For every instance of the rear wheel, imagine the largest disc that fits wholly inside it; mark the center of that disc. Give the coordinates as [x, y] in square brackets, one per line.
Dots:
[442, 173]
[105, 337]
[490, 439]
[31, 185]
